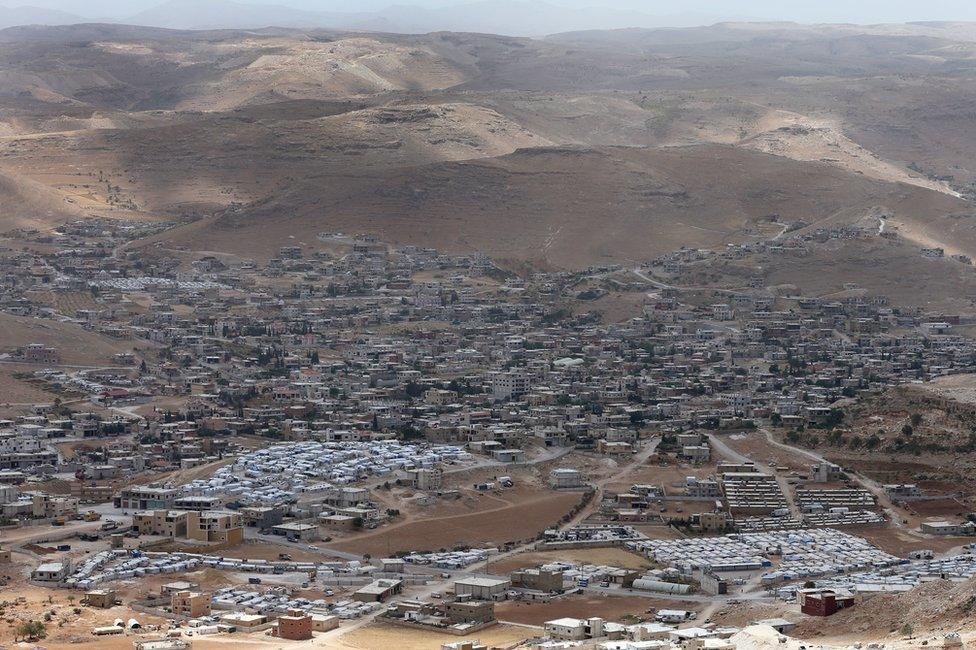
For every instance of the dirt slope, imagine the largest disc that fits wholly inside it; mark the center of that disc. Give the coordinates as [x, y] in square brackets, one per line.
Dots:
[25, 203]
[939, 606]
[567, 207]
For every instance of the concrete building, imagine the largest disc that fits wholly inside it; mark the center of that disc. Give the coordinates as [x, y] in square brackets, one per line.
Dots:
[576, 629]
[508, 455]
[428, 479]
[297, 531]
[296, 625]
[823, 602]
[100, 598]
[566, 629]
[141, 497]
[565, 478]
[215, 527]
[378, 591]
[48, 506]
[262, 516]
[464, 645]
[51, 572]
[166, 523]
[40, 353]
[696, 453]
[538, 580]
[947, 528]
[481, 588]
[243, 620]
[509, 385]
[469, 611]
[324, 622]
[192, 604]
[198, 503]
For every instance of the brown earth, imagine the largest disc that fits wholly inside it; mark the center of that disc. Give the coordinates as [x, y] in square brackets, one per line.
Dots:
[612, 608]
[490, 527]
[568, 151]
[76, 346]
[935, 606]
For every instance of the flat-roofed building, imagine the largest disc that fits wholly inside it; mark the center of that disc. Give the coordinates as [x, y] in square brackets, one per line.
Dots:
[564, 477]
[166, 523]
[215, 527]
[296, 530]
[197, 502]
[141, 497]
[296, 625]
[243, 620]
[469, 611]
[482, 588]
[538, 579]
[100, 598]
[51, 572]
[378, 591]
[190, 603]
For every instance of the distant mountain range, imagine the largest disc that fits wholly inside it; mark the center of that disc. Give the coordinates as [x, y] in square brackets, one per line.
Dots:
[509, 17]
[13, 16]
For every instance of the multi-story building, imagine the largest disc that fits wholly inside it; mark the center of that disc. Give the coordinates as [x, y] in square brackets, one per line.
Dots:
[192, 604]
[166, 523]
[215, 527]
[142, 497]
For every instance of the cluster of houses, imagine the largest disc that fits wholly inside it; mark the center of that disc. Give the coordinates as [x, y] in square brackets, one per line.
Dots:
[312, 381]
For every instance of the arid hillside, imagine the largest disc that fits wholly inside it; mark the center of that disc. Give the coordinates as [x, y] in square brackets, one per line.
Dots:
[577, 149]
[565, 206]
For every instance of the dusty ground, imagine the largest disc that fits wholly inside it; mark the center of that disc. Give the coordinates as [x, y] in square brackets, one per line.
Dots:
[492, 526]
[389, 637]
[18, 393]
[76, 346]
[612, 608]
[70, 624]
[901, 542]
[961, 388]
[755, 446]
[670, 474]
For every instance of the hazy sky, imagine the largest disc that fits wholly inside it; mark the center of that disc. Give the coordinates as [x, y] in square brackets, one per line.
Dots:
[860, 11]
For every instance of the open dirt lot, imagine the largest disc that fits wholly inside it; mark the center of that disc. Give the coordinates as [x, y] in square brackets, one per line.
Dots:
[493, 526]
[612, 608]
[19, 392]
[755, 446]
[70, 624]
[671, 475]
[901, 542]
[76, 346]
[390, 637]
[943, 507]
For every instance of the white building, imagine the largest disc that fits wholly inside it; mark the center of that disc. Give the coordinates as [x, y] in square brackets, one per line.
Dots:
[564, 477]
[509, 385]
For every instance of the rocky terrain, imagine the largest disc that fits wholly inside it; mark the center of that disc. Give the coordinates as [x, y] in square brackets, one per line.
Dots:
[576, 149]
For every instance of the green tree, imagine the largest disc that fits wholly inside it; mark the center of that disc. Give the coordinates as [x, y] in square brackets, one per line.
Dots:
[31, 630]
